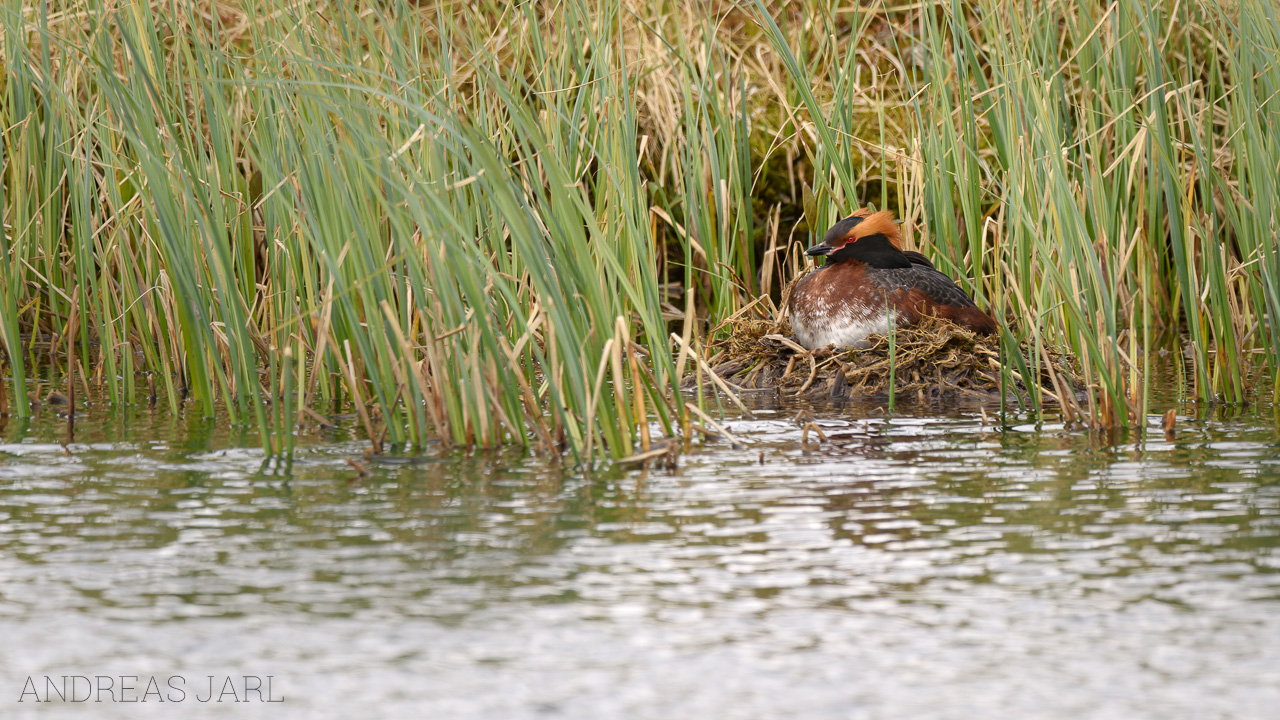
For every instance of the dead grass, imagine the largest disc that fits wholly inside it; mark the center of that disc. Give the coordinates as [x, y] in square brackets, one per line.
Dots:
[936, 361]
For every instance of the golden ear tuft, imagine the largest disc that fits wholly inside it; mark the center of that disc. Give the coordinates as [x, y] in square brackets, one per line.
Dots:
[880, 223]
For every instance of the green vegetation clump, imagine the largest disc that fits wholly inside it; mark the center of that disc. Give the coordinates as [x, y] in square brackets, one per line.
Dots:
[488, 223]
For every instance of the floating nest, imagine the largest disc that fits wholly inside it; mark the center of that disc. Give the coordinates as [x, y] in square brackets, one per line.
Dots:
[935, 360]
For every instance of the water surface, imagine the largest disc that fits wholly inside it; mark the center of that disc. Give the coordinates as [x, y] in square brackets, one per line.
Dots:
[926, 565]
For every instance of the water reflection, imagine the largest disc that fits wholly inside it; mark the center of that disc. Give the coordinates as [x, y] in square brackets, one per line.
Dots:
[932, 566]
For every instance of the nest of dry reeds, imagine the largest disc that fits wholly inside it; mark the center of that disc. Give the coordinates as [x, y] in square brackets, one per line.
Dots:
[935, 360]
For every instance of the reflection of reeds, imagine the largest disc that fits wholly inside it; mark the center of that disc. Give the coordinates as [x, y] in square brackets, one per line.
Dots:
[473, 223]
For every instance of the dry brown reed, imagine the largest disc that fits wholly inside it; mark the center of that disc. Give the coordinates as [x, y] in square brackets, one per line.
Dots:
[934, 361]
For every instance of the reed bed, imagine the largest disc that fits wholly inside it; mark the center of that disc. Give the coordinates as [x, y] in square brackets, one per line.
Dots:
[491, 223]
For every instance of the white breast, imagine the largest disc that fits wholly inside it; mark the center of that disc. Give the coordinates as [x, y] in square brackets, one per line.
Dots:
[845, 325]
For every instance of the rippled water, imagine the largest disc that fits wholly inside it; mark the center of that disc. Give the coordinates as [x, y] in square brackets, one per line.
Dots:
[913, 567]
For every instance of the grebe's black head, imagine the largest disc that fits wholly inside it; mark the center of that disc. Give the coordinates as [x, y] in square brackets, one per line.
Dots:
[837, 236]
[865, 236]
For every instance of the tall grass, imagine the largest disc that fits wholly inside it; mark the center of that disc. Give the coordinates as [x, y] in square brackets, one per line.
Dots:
[455, 247]
[480, 224]
[1108, 176]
